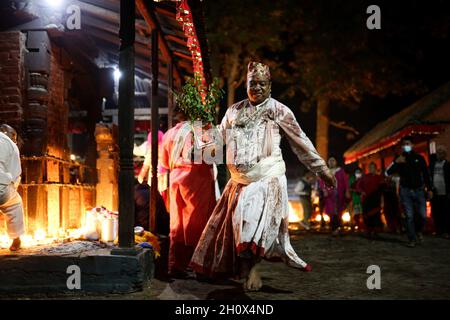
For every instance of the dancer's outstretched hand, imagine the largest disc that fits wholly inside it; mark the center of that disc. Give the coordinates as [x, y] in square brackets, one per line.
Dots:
[328, 178]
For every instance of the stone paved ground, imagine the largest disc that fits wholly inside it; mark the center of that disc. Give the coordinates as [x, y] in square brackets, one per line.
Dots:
[339, 272]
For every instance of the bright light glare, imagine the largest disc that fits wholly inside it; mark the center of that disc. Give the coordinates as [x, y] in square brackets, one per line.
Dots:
[346, 217]
[293, 217]
[54, 3]
[40, 235]
[117, 74]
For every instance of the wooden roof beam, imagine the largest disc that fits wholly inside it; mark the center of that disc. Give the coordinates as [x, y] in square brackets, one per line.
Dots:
[145, 65]
[105, 14]
[142, 66]
[113, 5]
[182, 55]
[99, 33]
[173, 38]
[166, 12]
[186, 65]
[150, 18]
[99, 24]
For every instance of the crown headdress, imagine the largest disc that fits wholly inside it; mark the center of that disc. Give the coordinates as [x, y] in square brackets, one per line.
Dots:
[258, 68]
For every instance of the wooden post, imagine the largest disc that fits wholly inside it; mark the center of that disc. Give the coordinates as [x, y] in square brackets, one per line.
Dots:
[170, 107]
[155, 128]
[126, 127]
[170, 101]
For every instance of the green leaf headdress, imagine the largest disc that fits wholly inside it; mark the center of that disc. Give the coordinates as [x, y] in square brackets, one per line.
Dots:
[198, 101]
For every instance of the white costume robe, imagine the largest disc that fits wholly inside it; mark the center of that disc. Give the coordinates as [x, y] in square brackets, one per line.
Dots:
[10, 200]
[252, 214]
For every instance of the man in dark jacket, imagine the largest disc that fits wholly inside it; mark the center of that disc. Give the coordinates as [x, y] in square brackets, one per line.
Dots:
[414, 182]
[440, 194]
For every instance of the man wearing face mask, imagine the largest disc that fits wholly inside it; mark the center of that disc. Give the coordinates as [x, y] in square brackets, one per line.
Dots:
[414, 182]
[10, 171]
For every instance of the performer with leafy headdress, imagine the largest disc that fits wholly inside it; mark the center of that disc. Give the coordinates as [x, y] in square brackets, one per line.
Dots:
[191, 190]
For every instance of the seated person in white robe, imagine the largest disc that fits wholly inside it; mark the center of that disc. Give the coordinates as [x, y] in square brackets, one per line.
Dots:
[10, 171]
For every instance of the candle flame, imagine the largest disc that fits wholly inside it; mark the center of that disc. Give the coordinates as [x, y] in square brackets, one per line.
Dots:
[346, 217]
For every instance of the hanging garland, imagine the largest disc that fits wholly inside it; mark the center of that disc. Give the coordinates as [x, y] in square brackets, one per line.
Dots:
[184, 16]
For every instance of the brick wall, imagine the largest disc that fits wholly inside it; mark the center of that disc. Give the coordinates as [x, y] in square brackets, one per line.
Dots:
[11, 78]
[33, 90]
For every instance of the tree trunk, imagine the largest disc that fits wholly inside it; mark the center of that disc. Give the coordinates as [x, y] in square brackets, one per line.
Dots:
[233, 76]
[231, 90]
[323, 124]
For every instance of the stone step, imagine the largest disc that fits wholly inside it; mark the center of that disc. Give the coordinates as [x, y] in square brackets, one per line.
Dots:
[99, 270]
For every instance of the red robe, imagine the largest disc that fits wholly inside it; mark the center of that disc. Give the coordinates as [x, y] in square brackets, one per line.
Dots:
[192, 199]
[368, 184]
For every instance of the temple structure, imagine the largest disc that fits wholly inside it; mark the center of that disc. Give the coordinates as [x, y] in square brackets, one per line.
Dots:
[59, 88]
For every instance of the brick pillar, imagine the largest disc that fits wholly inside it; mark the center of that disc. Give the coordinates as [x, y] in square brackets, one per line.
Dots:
[107, 167]
[12, 53]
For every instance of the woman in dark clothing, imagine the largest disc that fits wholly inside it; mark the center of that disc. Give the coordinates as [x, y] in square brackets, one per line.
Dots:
[391, 206]
[370, 187]
[142, 209]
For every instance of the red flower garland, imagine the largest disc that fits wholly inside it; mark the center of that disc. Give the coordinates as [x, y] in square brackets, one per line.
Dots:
[184, 16]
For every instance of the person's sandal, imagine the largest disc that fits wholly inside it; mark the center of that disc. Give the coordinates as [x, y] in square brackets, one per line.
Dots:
[411, 244]
[419, 238]
[15, 246]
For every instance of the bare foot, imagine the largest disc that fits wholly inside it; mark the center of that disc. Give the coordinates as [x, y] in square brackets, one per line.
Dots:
[253, 282]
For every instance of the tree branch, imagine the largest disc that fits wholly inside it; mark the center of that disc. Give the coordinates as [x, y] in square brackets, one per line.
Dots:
[233, 72]
[241, 80]
[342, 125]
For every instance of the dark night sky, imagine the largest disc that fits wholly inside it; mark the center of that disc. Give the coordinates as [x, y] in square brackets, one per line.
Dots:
[430, 58]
